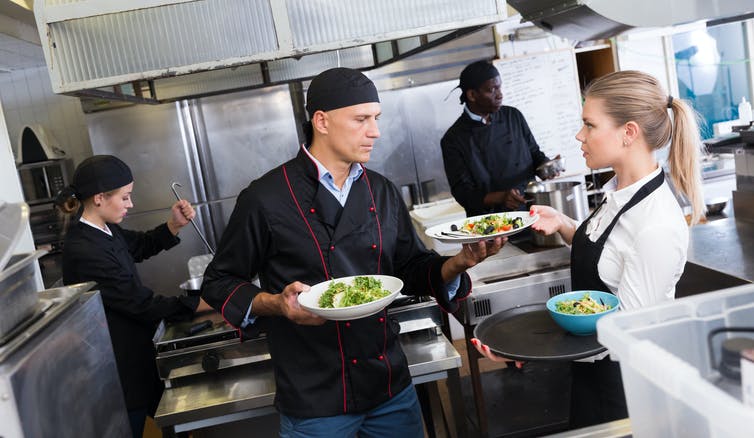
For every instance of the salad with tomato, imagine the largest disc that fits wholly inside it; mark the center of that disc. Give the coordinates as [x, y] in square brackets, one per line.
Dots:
[492, 224]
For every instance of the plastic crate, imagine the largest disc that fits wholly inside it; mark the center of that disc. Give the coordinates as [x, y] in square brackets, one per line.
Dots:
[666, 367]
[434, 213]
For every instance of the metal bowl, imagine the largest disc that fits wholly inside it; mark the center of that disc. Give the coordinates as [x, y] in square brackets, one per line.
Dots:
[716, 206]
[193, 286]
[550, 169]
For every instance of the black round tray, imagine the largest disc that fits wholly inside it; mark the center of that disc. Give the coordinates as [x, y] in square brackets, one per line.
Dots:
[528, 333]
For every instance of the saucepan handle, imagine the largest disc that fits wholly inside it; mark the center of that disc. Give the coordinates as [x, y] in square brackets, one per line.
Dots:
[717, 331]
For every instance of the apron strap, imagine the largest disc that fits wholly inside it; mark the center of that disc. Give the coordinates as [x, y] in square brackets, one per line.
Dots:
[642, 193]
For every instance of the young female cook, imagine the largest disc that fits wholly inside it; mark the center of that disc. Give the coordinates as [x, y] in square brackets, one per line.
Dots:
[97, 249]
[634, 244]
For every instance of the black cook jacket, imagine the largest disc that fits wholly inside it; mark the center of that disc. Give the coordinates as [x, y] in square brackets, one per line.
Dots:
[287, 227]
[480, 158]
[132, 309]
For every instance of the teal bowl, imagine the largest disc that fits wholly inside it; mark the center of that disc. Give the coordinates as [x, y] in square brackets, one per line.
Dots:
[581, 325]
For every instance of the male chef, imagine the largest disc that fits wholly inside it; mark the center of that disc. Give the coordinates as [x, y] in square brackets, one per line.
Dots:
[324, 215]
[489, 152]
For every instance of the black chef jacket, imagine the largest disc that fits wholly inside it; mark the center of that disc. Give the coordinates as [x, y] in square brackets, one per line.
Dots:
[480, 159]
[132, 309]
[287, 227]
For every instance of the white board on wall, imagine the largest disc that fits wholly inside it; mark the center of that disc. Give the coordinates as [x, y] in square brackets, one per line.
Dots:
[545, 88]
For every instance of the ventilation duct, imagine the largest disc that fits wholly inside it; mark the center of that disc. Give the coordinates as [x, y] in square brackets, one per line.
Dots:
[582, 20]
[160, 50]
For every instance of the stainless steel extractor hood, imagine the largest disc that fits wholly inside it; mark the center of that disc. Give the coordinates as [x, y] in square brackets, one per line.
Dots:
[161, 50]
[581, 20]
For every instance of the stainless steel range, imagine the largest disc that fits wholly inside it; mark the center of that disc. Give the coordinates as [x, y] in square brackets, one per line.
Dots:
[515, 278]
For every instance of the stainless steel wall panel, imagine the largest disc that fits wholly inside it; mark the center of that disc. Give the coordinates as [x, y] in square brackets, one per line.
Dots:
[393, 155]
[319, 22]
[161, 37]
[412, 123]
[248, 133]
[149, 139]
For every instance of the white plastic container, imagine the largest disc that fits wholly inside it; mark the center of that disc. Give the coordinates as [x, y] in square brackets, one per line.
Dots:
[434, 213]
[666, 367]
[744, 111]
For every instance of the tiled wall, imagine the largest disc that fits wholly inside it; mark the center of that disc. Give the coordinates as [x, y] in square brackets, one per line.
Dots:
[27, 98]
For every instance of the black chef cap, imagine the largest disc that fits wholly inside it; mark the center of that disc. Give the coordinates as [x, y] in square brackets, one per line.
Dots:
[338, 88]
[99, 174]
[474, 75]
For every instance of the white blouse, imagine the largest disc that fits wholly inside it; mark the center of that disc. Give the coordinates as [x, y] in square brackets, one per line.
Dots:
[645, 254]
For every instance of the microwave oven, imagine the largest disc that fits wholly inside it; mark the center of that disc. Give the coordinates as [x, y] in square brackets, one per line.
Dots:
[43, 180]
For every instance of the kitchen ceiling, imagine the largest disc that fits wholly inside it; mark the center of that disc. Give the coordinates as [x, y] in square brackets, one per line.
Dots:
[16, 54]
[19, 39]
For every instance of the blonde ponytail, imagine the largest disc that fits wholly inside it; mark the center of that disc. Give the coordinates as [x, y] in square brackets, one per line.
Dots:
[632, 95]
[683, 157]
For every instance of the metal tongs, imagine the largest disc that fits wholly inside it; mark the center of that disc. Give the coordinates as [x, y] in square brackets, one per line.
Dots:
[196, 227]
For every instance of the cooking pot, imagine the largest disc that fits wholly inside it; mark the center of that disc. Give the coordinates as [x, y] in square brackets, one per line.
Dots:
[715, 205]
[192, 286]
[568, 197]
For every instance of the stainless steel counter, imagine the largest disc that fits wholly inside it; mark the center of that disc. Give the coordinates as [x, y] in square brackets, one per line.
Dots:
[725, 245]
[248, 391]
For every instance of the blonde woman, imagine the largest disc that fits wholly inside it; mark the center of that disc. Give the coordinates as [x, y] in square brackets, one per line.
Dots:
[634, 244]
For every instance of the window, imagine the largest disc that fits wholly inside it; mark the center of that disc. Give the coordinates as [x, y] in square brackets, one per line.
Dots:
[713, 72]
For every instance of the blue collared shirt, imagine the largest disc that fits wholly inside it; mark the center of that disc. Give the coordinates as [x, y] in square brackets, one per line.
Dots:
[327, 180]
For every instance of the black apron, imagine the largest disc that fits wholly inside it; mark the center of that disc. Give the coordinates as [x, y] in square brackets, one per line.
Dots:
[597, 394]
[585, 254]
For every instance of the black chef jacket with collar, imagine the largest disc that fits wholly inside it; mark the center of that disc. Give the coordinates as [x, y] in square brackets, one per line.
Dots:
[132, 309]
[287, 227]
[480, 159]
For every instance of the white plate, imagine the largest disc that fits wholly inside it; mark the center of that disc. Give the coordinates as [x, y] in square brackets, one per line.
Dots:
[310, 300]
[437, 231]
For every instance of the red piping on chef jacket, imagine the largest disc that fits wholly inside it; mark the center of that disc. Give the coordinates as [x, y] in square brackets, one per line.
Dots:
[301, 212]
[309, 155]
[222, 309]
[327, 276]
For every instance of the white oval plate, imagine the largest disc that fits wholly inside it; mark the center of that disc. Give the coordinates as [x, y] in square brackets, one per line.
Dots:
[437, 232]
[310, 300]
